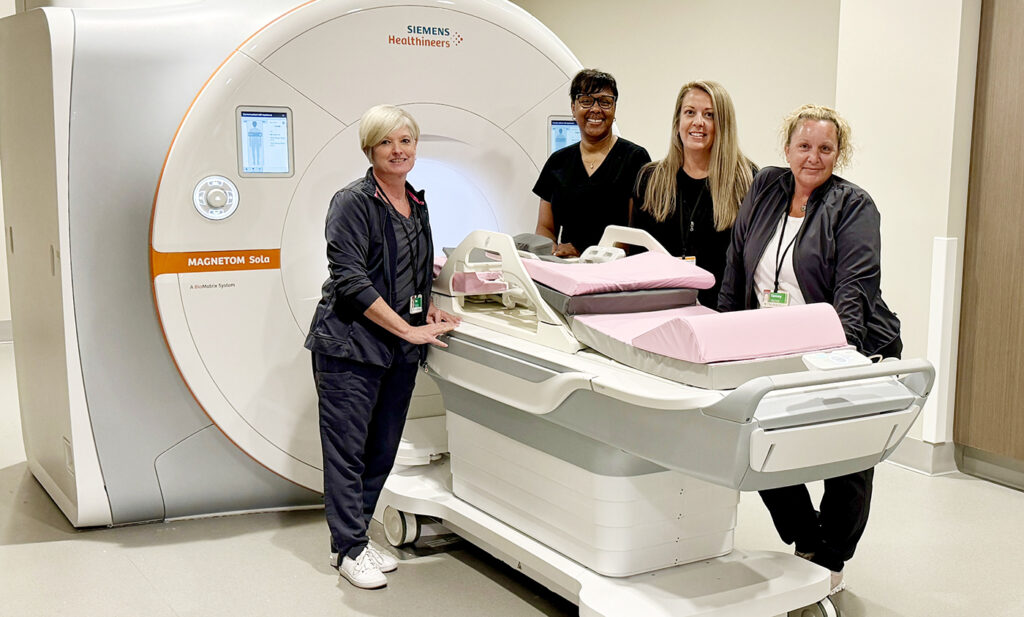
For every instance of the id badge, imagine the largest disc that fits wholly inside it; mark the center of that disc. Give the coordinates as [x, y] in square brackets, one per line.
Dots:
[773, 299]
[416, 304]
[690, 258]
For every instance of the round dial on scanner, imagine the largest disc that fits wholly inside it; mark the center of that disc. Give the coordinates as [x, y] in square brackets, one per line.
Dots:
[215, 197]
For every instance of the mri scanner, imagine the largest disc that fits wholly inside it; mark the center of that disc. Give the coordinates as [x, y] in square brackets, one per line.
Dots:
[104, 108]
[167, 168]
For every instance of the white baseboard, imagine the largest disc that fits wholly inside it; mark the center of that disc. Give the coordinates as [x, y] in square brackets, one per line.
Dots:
[933, 459]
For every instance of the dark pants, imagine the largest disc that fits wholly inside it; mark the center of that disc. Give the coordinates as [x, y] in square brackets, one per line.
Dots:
[832, 532]
[362, 414]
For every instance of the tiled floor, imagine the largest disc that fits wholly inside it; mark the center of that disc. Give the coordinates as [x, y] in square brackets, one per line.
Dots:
[935, 547]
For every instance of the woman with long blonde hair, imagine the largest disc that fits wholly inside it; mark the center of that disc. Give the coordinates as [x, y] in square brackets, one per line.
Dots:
[689, 200]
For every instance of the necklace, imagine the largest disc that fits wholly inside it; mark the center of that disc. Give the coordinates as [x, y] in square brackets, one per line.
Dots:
[593, 163]
[597, 156]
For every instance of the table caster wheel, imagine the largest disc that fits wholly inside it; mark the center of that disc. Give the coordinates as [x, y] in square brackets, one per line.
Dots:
[822, 608]
[400, 528]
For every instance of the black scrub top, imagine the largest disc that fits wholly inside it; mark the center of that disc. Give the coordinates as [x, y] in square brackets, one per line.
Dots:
[690, 230]
[583, 205]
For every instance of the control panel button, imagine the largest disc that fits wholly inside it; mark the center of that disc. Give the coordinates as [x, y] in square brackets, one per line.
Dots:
[215, 197]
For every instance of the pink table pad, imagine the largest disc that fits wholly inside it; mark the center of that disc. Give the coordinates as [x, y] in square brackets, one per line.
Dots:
[745, 335]
[644, 271]
[439, 263]
[478, 282]
[625, 327]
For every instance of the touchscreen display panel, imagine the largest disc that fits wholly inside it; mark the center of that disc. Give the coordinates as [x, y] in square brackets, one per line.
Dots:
[264, 142]
[562, 132]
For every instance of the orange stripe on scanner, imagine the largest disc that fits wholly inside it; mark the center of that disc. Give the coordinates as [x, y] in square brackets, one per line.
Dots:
[214, 261]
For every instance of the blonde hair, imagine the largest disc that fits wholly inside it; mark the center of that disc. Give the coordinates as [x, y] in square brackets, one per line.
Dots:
[729, 173]
[844, 148]
[380, 121]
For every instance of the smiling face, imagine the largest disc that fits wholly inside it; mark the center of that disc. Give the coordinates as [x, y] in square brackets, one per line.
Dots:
[595, 123]
[696, 121]
[395, 154]
[811, 152]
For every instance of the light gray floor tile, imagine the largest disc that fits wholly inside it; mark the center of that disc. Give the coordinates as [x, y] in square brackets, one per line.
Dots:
[946, 546]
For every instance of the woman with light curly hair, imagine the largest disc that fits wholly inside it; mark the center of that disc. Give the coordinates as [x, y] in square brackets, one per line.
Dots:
[804, 235]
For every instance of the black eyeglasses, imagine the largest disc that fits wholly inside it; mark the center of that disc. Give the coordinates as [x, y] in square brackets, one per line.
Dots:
[586, 101]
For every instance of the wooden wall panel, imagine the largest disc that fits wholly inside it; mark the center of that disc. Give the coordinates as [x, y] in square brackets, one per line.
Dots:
[990, 371]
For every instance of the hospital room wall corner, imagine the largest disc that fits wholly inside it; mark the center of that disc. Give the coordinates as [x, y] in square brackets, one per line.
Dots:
[926, 135]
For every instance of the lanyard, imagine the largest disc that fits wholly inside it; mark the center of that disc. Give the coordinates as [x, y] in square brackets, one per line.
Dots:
[693, 213]
[411, 239]
[780, 253]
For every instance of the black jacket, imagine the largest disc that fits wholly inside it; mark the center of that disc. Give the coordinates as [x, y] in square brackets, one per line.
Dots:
[836, 256]
[361, 259]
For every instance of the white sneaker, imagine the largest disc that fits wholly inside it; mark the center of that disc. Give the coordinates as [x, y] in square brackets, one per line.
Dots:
[363, 571]
[836, 580]
[838, 584]
[385, 560]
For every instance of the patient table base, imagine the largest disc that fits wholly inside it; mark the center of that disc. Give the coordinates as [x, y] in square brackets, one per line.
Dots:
[740, 584]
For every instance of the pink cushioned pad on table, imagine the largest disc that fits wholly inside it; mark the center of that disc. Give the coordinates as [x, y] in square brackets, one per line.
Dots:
[625, 327]
[478, 282]
[745, 335]
[644, 271]
[439, 263]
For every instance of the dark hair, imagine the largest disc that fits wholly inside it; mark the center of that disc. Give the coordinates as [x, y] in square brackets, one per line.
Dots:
[589, 81]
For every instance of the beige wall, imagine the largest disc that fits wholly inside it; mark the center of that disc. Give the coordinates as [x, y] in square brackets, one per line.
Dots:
[6, 8]
[900, 87]
[906, 75]
[654, 46]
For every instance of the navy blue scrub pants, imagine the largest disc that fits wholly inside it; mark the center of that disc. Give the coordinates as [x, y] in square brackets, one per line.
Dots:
[362, 413]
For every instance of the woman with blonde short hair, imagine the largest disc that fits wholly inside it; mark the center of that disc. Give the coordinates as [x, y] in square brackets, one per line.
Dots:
[688, 200]
[369, 334]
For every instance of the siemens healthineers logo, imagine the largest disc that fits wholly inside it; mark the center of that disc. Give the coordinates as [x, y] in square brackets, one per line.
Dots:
[426, 36]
